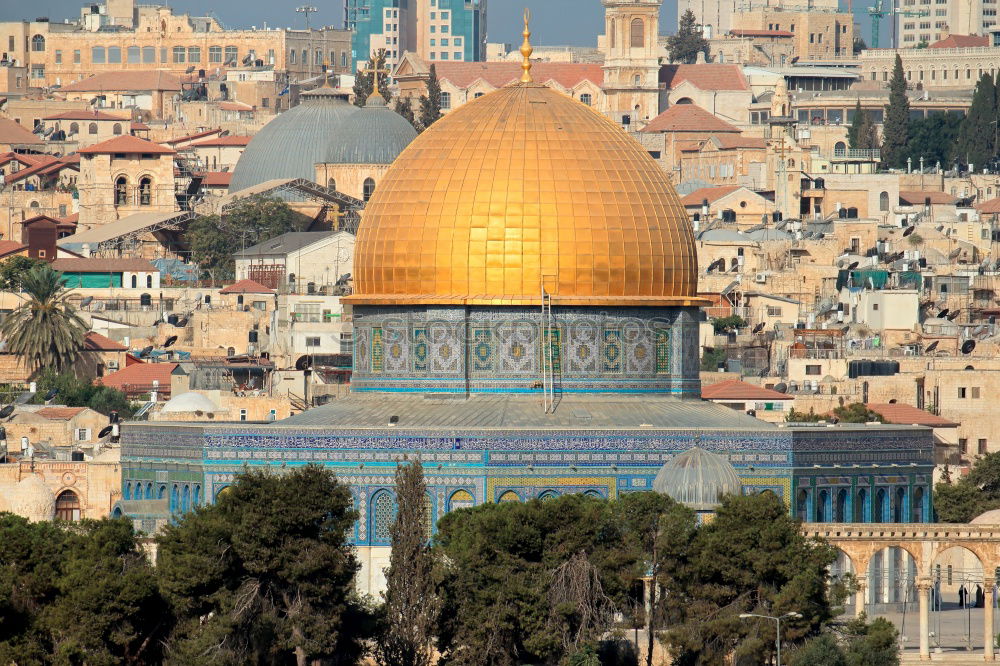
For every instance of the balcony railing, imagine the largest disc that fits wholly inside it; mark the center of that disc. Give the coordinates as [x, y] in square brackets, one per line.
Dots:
[868, 154]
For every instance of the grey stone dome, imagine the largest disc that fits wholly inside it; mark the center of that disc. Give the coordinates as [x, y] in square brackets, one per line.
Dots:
[374, 135]
[698, 479]
[293, 143]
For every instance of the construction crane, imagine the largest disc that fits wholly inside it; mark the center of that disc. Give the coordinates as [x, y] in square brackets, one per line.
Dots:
[881, 11]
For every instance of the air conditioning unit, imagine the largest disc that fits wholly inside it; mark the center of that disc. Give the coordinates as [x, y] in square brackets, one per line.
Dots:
[760, 278]
[113, 366]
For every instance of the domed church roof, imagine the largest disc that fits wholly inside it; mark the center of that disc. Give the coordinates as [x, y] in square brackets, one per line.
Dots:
[191, 401]
[374, 135]
[32, 499]
[698, 479]
[520, 185]
[290, 145]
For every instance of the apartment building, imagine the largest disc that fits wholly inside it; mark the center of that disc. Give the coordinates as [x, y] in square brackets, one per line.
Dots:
[718, 17]
[436, 30]
[815, 34]
[943, 17]
[157, 38]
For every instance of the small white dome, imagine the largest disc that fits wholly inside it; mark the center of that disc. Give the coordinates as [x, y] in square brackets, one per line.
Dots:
[698, 479]
[32, 499]
[192, 401]
[991, 517]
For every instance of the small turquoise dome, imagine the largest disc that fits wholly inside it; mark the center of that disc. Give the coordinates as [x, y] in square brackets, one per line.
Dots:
[374, 135]
[698, 479]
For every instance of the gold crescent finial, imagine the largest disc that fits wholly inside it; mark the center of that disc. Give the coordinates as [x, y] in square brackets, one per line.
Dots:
[526, 49]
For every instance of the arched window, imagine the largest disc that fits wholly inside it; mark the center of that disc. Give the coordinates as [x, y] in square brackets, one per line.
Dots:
[638, 34]
[383, 516]
[149, 282]
[368, 189]
[883, 202]
[92, 128]
[38, 43]
[548, 495]
[230, 351]
[135, 281]
[305, 57]
[116, 129]
[127, 491]
[461, 499]
[802, 504]
[881, 513]
[861, 506]
[145, 191]
[839, 149]
[197, 495]
[823, 506]
[222, 492]
[149, 490]
[174, 499]
[586, 98]
[596, 494]
[121, 191]
[186, 499]
[509, 496]
[68, 506]
[899, 509]
[74, 128]
[918, 505]
[840, 507]
[331, 184]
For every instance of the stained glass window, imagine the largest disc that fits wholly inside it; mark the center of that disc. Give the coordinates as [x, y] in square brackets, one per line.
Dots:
[385, 514]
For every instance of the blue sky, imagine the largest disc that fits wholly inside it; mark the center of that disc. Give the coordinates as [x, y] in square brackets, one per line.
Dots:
[554, 21]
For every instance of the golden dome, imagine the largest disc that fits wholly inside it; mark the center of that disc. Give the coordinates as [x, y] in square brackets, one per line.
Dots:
[521, 185]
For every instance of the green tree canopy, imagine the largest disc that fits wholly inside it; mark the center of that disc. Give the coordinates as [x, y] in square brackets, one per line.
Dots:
[266, 574]
[856, 412]
[933, 138]
[688, 42]
[44, 331]
[979, 491]
[213, 239]
[79, 392]
[430, 104]
[13, 269]
[896, 127]
[976, 140]
[863, 134]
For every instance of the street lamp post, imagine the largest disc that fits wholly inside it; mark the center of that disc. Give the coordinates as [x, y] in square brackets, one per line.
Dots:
[777, 620]
[307, 10]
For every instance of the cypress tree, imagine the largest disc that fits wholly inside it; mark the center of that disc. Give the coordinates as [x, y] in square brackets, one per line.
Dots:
[896, 129]
[976, 143]
[856, 125]
[411, 601]
[685, 46]
[430, 104]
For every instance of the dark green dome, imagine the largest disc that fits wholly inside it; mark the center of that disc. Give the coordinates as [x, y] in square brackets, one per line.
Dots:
[374, 135]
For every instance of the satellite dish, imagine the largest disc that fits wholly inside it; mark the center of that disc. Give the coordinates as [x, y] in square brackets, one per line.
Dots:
[171, 340]
[759, 327]
[943, 313]
[6, 411]
[932, 346]
[105, 431]
[181, 323]
[49, 132]
[845, 330]
[854, 264]
[38, 129]
[954, 315]
[967, 348]
[909, 230]
[189, 69]
[51, 394]
[781, 387]
[145, 351]
[304, 362]
[87, 300]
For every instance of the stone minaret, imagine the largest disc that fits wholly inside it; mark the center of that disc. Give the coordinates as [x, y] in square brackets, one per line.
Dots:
[631, 59]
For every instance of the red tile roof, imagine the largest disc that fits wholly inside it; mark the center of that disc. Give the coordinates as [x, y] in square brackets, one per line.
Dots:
[139, 377]
[127, 80]
[246, 287]
[734, 389]
[499, 74]
[918, 198]
[70, 219]
[12, 133]
[215, 178]
[988, 207]
[904, 414]
[97, 342]
[26, 159]
[8, 247]
[50, 165]
[706, 76]
[59, 413]
[109, 265]
[84, 114]
[138, 126]
[126, 144]
[688, 118]
[736, 32]
[961, 42]
[219, 141]
[713, 194]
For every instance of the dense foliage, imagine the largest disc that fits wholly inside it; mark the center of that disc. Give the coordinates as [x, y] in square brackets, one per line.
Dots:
[213, 239]
[44, 331]
[76, 392]
[13, 270]
[265, 575]
[977, 492]
[861, 644]
[976, 142]
[896, 128]
[863, 134]
[684, 46]
[430, 104]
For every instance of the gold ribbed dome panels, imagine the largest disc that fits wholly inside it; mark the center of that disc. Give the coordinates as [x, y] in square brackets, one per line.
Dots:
[519, 188]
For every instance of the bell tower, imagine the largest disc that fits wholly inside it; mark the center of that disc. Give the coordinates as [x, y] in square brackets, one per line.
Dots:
[631, 59]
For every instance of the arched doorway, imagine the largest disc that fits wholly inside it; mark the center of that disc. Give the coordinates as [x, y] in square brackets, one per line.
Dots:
[900, 506]
[957, 587]
[823, 506]
[862, 506]
[68, 506]
[841, 573]
[841, 514]
[881, 510]
[802, 504]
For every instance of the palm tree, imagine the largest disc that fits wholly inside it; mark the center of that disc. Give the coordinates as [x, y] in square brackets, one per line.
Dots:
[44, 330]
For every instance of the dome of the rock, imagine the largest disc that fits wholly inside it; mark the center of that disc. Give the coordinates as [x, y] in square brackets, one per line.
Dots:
[521, 187]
